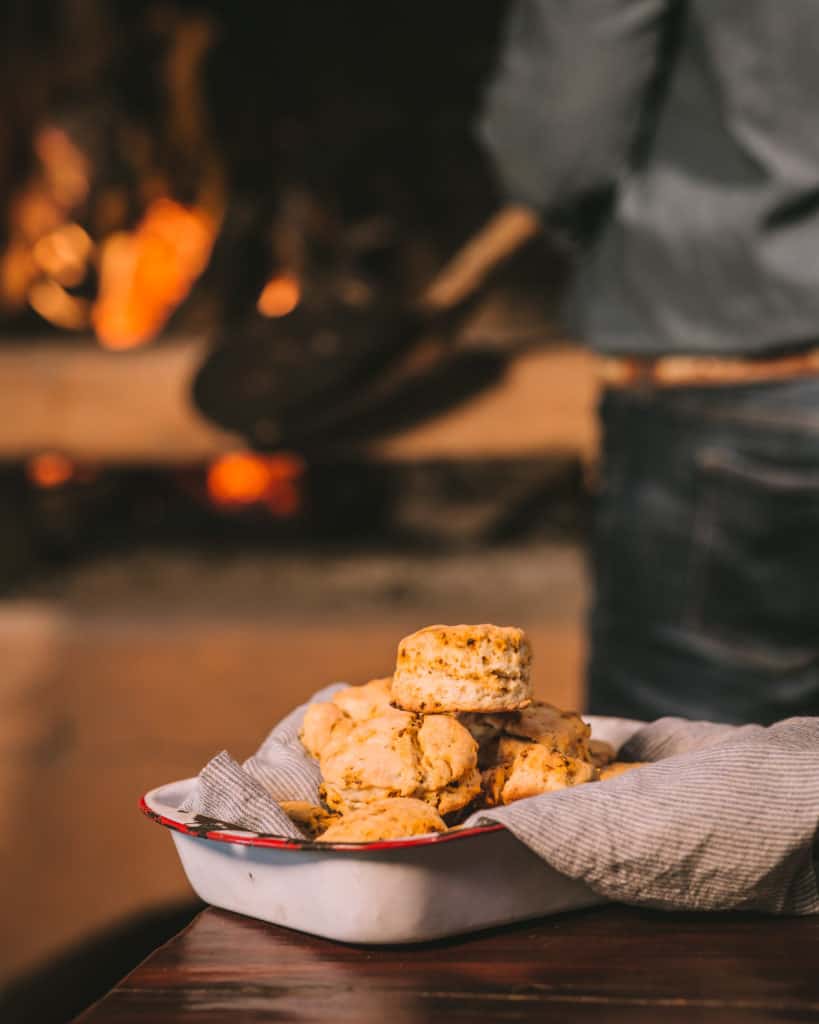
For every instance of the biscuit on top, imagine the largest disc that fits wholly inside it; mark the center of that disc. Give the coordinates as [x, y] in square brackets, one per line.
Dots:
[481, 668]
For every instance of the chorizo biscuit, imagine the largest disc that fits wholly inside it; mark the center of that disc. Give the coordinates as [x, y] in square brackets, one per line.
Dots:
[311, 819]
[481, 668]
[543, 723]
[321, 720]
[536, 769]
[398, 754]
[365, 701]
[355, 703]
[396, 818]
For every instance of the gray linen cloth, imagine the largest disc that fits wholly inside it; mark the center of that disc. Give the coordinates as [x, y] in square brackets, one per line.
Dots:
[727, 817]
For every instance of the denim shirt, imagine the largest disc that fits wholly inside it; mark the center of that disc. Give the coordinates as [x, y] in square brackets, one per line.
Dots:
[691, 129]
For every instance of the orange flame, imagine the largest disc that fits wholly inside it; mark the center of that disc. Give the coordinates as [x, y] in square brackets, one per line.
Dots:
[49, 469]
[66, 167]
[17, 271]
[34, 212]
[242, 478]
[64, 254]
[58, 306]
[146, 274]
[279, 296]
[39, 209]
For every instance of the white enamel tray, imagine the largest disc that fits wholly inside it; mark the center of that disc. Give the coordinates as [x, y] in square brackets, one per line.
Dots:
[409, 890]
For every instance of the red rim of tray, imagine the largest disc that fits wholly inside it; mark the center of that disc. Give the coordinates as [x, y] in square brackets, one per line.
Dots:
[242, 838]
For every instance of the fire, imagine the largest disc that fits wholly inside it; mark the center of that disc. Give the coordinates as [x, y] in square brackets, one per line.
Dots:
[67, 169]
[119, 321]
[146, 274]
[58, 306]
[32, 214]
[64, 253]
[40, 238]
[242, 478]
[49, 469]
[17, 271]
[279, 296]
[238, 479]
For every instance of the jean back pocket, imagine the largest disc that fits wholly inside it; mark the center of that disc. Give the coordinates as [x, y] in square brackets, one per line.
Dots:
[754, 560]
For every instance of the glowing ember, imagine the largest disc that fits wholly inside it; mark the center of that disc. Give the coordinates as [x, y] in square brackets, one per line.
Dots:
[64, 254]
[56, 305]
[146, 274]
[17, 271]
[117, 325]
[66, 167]
[238, 479]
[49, 469]
[34, 212]
[279, 296]
[242, 478]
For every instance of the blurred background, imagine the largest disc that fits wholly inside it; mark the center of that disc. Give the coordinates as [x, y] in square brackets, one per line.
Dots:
[238, 459]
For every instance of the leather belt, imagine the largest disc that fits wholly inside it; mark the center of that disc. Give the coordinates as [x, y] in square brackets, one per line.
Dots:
[701, 371]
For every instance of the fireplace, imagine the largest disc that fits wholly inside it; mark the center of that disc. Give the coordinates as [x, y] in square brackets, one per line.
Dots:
[243, 204]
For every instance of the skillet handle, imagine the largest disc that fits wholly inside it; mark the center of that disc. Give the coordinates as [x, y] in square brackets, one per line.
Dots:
[504, 234]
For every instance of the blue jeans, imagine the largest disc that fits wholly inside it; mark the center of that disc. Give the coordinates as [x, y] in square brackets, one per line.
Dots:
[706, 554]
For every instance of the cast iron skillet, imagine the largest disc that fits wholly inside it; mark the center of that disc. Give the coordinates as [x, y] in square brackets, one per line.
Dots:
[333, 372]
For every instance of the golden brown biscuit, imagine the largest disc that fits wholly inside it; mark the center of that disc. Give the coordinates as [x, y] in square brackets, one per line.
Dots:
[398, 754]
[320, 722]
[492, 782]
[365, 701]
[355, 703]
[611, 771]
[554, 729]
[463, 668]
[397, 818]
[311, 819]
[446, 750]
[447, 801]
[370, 760]
[508, 748]
[521, 768]
[536, 769]
[457, 794]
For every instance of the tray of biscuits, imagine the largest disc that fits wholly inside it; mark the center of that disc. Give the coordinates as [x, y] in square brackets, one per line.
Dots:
[404, 761]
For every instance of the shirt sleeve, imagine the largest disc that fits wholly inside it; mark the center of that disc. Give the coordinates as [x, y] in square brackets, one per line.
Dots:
[565, 106]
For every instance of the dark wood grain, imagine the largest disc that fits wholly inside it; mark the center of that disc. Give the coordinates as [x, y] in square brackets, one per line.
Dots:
[610, 964]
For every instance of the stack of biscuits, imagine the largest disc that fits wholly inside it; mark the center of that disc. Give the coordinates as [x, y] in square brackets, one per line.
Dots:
[455, 728]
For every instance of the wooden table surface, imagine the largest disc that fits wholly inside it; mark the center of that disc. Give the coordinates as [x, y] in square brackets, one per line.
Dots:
[608, 964]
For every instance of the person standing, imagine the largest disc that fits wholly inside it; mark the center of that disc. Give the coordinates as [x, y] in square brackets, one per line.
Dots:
[676, 142]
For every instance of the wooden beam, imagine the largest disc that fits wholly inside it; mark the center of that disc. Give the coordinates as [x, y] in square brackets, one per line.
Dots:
[136, 407]
[106, 406]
